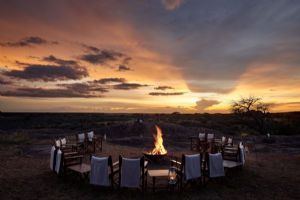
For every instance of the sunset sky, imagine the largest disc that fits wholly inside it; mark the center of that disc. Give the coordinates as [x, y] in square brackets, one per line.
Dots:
[150, 56]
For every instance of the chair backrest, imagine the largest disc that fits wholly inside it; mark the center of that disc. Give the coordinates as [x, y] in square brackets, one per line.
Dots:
[202, 136]
[57, 143]
[215, 165]
[191, 166]
[130, 172]
[90, 136]
[231, 153]
[242, 153]
[58, 163]
[53, 153]
[63, 141]
[210, 136]
[223, 140]
[100, 167]
[81, 137]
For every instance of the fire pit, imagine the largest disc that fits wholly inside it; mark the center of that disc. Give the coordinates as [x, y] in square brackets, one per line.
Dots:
[159, 151]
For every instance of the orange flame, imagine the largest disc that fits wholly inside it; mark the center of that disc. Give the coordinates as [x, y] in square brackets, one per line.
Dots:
[159, 148]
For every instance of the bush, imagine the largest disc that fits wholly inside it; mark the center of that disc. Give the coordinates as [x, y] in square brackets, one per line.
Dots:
[15, 138]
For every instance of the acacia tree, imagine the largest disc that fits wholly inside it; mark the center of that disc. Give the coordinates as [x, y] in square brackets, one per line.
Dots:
[253, 112]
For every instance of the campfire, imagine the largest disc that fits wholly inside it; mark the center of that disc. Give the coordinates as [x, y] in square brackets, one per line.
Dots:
[159, 150]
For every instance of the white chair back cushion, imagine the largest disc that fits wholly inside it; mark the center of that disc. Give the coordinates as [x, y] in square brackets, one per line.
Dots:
[99, 171]
[223, 139]
[192, 168]
[90, 136]
[81, 137]
[242, 154]
[57, 143]
[216, 168]
[130, 173]
[63, 141]
[210, 136]
[58, 161]
[201, 136]
[229, 141]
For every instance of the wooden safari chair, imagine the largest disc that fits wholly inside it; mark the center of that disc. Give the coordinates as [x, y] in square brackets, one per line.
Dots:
[68, 146]
[231, 153]
[81, 142]
[189, 170]
[236, 158]
[194, 143]
[132, 173]
[213, 166]
[103, 171]
[74, 164]
[94, 143]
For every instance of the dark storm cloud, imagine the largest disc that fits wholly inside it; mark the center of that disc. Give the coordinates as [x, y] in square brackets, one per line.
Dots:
[36, 72]
[85, 87]
[28, 41]
[128, 86]
[49, 93]
[122, 68]
[166, 93]
[110, 80]
[59, 61]
[164, 87]
[101, 57]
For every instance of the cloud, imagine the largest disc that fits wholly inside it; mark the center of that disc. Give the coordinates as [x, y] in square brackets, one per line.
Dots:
[36, 72]
[291, 106]
[28, 41]
[166, 93]
[172, 4]
[85, 87]
[203, 104]
[122, 68]
[48, 93]
[110, 80]
[126, 60]
[91, 48]
[59, 61]
[128, 86]
[216, 86]
[82, 90]
[4, 82]
[101, 57]
[163, 88]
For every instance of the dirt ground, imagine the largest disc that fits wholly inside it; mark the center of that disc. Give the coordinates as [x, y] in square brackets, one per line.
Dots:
[271, 172]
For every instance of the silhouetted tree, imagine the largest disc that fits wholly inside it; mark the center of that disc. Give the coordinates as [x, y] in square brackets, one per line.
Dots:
[253, 112]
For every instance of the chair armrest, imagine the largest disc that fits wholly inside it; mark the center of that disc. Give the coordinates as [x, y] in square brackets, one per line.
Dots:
[175, 162]
[146, 163]
[73, 157]
[73, 153]
[115, 163]
[115, 166]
